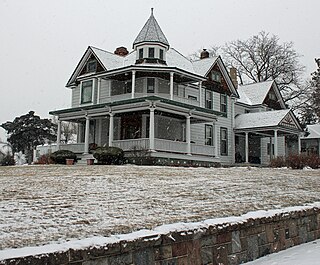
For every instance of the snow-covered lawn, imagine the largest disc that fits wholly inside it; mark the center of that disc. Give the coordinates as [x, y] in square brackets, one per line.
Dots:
[306, 254]
[51, 204]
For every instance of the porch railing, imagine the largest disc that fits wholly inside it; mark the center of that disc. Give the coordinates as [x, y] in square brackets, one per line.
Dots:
[170, 146]
[202, 149]
[131, 144]
[76, 148]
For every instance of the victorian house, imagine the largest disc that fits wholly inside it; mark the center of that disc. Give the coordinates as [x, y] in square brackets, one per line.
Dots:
[155, 99]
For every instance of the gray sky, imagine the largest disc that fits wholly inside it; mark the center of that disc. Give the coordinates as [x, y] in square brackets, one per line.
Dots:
[42, 41]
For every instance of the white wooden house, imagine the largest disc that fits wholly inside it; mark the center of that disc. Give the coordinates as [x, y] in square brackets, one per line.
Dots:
[154, 98]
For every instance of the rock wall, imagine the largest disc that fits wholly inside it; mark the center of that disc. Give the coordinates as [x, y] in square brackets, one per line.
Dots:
[228, 241]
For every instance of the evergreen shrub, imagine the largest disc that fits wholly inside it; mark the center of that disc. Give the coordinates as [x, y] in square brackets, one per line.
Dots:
[7, 160]
[60, 156]
[109, 155]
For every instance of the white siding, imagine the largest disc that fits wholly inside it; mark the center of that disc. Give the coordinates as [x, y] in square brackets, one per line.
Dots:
[104, 91]
[75, 94]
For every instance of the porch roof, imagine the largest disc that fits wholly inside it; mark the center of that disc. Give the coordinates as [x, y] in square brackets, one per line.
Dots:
[130, 103]
[314, 132]
[282, 120]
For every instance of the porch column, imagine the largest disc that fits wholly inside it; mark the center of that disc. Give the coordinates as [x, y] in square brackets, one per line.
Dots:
[275, 143]
[188, 134]
[216, 153]
[133, 85]
[59, 134]
[200, 94]
[171, 85]
[111, 128]
[86, 135]
[299, 144]
[99, 131]
[98, 92]
[151, 130]
[247, 146]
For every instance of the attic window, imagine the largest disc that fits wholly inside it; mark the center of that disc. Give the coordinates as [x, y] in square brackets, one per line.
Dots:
[216, 76]
[151, 53]
[91, 66]
[141, 53]
[161, 54]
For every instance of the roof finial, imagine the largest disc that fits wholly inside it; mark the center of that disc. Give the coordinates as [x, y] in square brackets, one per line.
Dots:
[151, 11]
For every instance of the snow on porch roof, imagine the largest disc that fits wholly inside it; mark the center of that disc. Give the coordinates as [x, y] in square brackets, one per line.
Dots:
[314, 131]
[254, 94]
[260, 119]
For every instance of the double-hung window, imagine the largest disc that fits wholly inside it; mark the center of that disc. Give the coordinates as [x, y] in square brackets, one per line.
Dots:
[223, 103]
[161, 57]
[209, 134]
[150, 85]
[86, 91]
[91, 66]
[209, 104]
[141, 53]
[224, 141]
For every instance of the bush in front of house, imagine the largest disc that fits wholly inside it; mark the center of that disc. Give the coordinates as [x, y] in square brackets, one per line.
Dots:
[44, 160]
[60, 156]
[7, 160]
[109, 155]
[313, 161]
[279, 161]
[297, 161]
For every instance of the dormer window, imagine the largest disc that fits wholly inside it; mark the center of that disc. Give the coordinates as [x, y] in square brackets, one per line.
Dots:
[141, 53]
[151, 53]
[161, 54]
[91, 66]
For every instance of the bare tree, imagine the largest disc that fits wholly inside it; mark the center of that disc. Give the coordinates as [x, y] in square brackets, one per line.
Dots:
[68, 130]
[262, 58]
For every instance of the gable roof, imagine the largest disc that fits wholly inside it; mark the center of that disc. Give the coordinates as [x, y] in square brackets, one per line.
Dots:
[151, 32]
[314, 131]
[254, 120]
[256, 93]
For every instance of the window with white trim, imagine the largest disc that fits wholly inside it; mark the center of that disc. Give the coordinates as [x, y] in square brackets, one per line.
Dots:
[150, 85]
[161, 57]
[209, 101]
[223, 103]
[208, 134]
[223, 141]
[86, 91]
[141, 53]
[151, 53]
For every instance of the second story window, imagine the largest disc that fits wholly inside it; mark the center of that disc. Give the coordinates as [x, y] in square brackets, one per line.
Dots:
[209, 104]
[150, 85]
[91, 66]
[223, 103]
[86, 92]
[216, 76]
[141, 53]
[161, 54]
[151, 53]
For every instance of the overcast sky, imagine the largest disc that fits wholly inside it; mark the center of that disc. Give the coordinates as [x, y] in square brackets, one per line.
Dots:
[42, 41]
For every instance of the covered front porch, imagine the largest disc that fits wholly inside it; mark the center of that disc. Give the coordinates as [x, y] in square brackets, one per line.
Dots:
[158, 126]
[261, 137]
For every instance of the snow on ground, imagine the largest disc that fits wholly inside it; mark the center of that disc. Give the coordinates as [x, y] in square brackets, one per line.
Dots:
[54, 204]
[306, 254]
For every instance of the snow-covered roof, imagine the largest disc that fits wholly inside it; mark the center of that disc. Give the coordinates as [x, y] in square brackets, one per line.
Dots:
[108, 59]
[254, 94]
[260, 119]
[151, 32]
[314, 131]
[176, 59]
[202, 66]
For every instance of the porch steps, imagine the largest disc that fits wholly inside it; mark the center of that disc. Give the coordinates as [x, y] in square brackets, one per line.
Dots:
[82, 158]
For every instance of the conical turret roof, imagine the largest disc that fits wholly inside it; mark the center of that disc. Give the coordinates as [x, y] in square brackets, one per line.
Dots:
[151, 32]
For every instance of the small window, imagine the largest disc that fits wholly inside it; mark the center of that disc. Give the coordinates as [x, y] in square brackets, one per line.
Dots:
[91, 66]
[209, 134]
[223, 103]
[209, 104]
[216, 76]
[86, 92]
[224, 141]
[140, 53]
[150, 85]
[161, 54]
[151, 53]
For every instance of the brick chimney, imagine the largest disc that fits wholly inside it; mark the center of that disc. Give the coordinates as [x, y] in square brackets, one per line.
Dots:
[122, 51]
[204, 54]
[233, 75]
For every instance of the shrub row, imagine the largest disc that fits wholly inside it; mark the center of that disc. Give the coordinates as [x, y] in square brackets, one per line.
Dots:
[298, 161]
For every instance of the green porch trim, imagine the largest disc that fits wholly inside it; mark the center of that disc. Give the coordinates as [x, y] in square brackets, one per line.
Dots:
[138, 100]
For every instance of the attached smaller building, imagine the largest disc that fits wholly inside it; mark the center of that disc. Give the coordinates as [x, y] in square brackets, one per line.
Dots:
[310, 144]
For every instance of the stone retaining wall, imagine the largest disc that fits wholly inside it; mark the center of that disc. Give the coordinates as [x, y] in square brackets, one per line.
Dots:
[229, 241]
